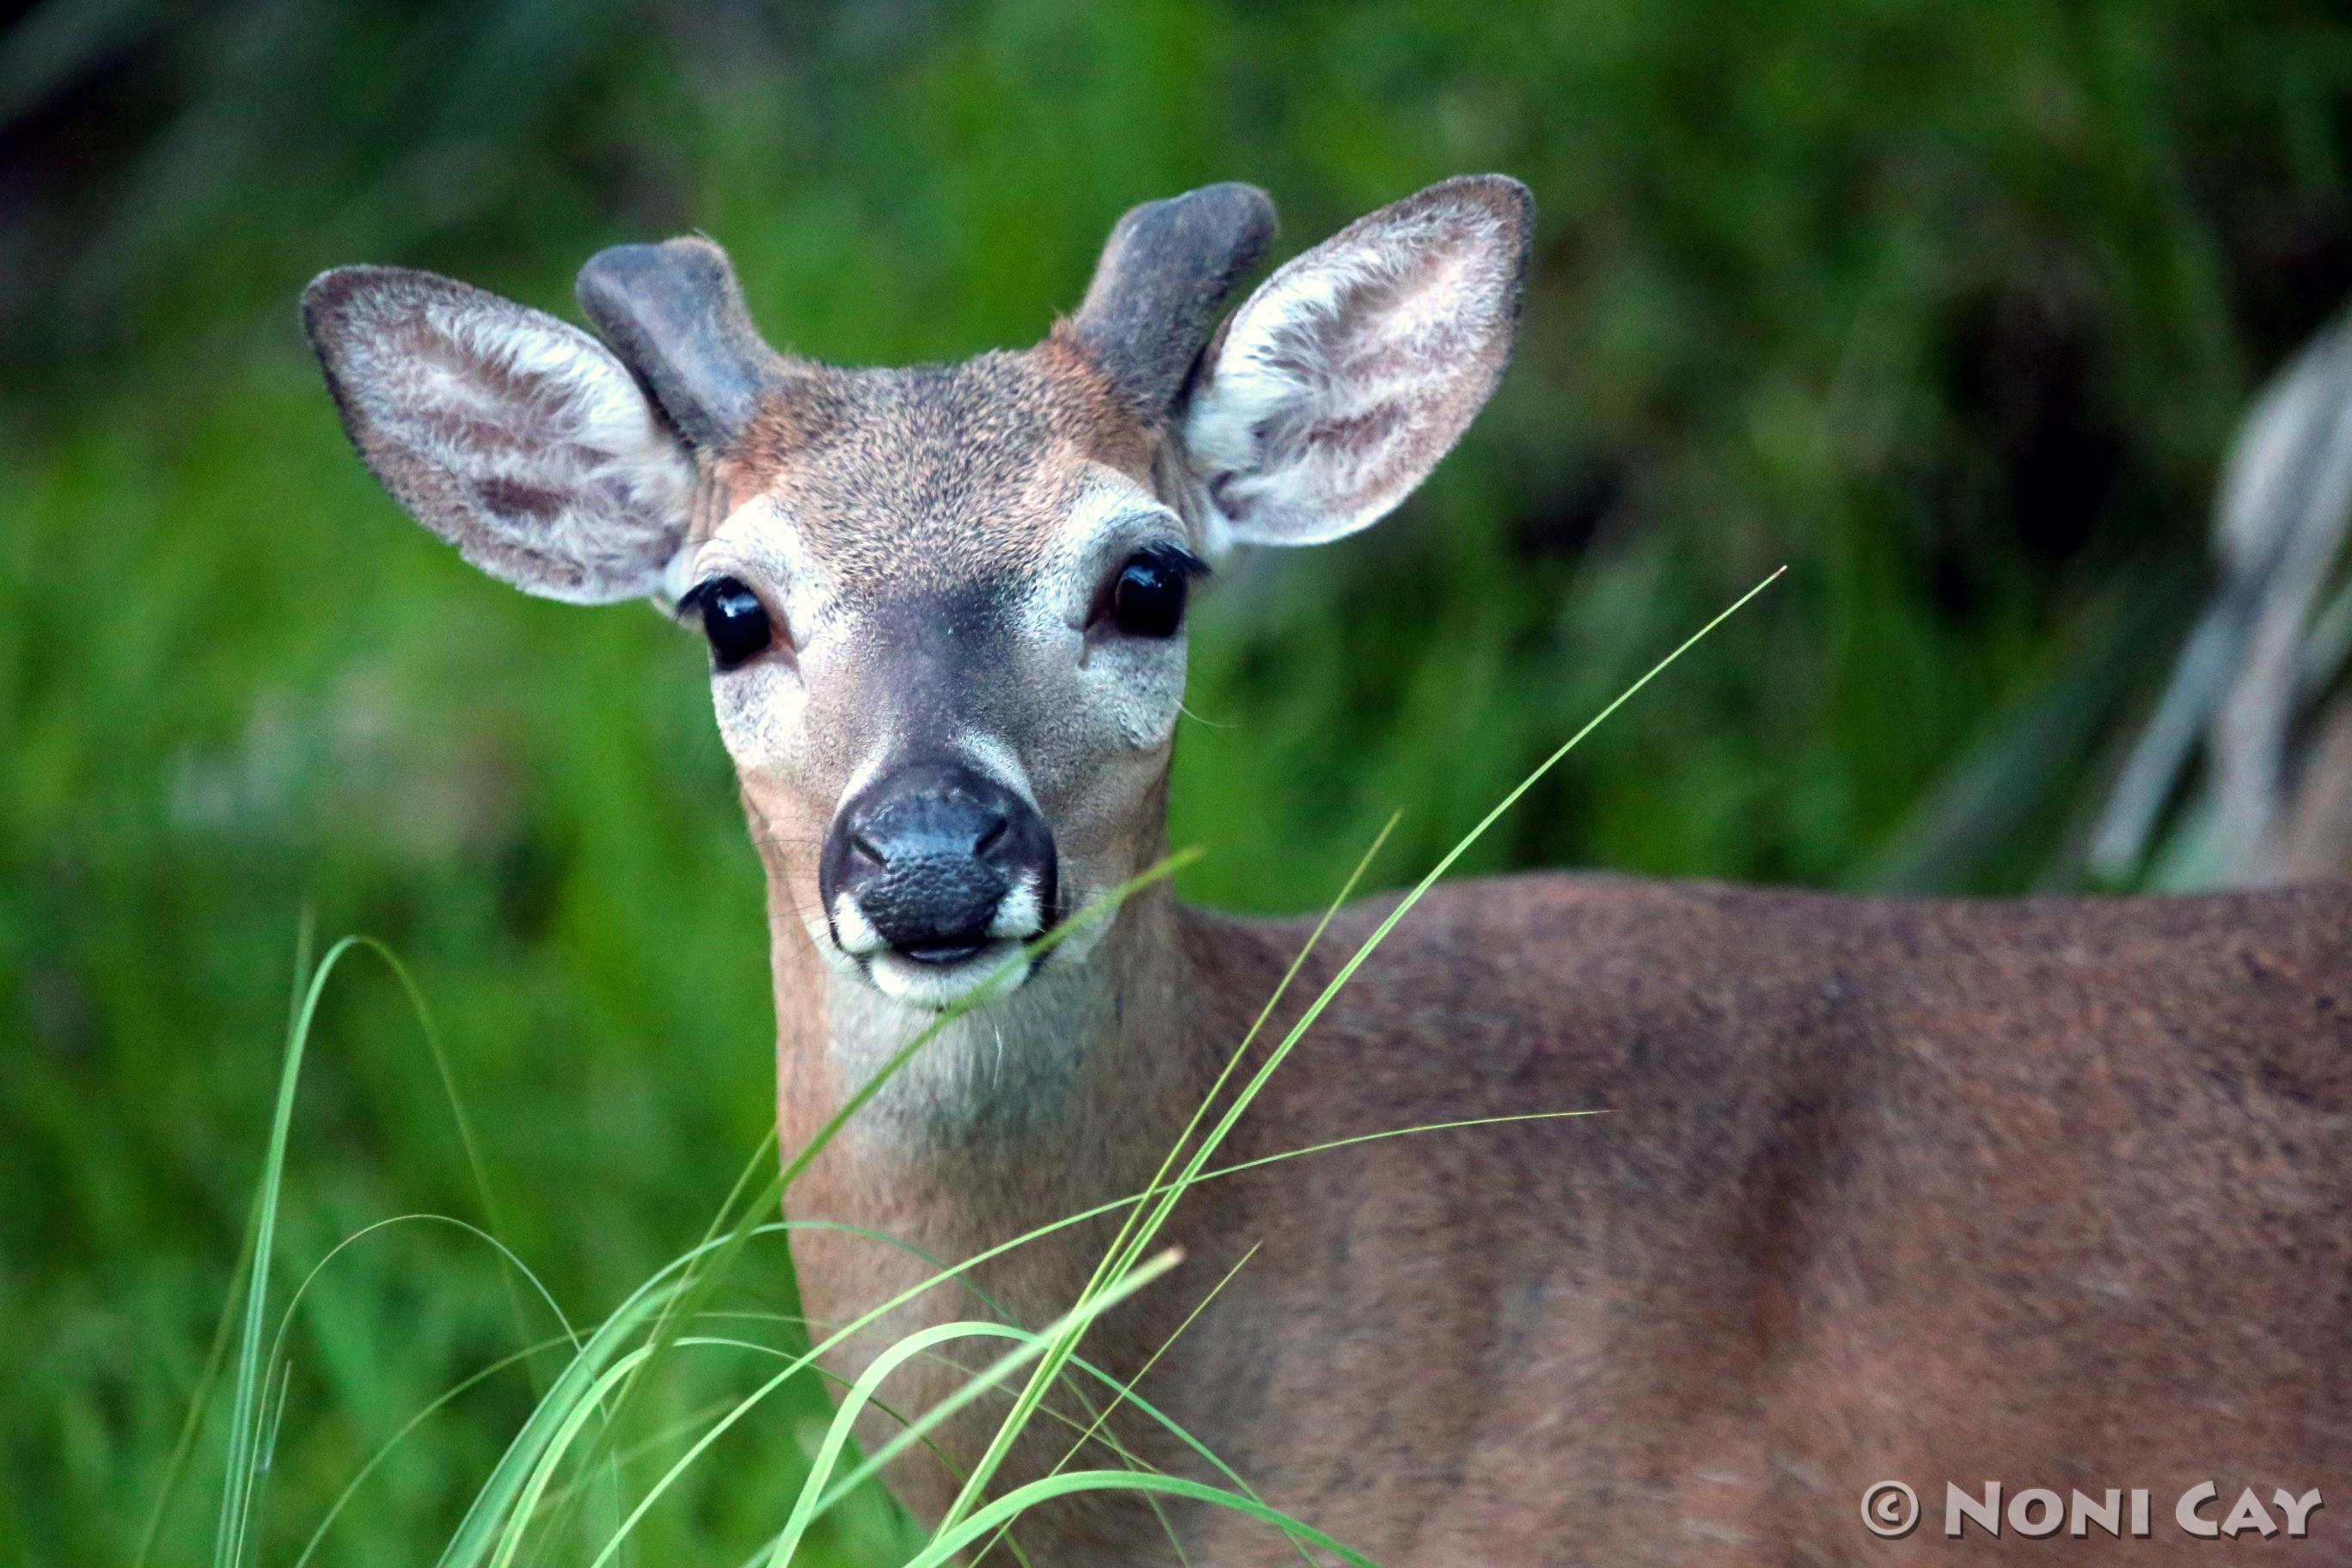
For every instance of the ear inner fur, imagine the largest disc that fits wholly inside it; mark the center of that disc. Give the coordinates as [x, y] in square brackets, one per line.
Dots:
[515, 437]
[1347, 376]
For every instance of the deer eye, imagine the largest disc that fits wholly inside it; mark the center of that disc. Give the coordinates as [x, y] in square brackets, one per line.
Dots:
[733, 619]
[1147, 597]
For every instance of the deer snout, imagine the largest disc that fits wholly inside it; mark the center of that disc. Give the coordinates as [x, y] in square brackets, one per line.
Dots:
[937, 861]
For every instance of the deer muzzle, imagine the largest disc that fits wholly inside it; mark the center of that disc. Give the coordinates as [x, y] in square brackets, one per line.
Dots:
[934, 863]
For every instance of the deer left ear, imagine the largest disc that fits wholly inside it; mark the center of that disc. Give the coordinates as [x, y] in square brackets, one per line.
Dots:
[1339, 384]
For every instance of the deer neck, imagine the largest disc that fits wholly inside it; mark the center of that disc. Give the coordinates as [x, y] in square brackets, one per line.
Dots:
[1058, 1097]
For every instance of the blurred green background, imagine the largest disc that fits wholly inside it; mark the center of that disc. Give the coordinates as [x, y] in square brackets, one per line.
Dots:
[1950, 307]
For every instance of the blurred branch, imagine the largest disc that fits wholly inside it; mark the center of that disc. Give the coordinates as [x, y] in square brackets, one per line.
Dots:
[2259, 659]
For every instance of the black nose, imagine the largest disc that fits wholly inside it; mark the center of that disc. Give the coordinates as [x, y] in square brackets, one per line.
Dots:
[929, 852]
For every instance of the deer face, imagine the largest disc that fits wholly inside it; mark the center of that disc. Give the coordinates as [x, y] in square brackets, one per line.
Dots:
[946, 606]
[959, 678]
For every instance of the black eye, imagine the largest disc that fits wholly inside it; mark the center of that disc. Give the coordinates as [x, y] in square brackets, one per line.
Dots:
[733, 619]
[1147, 597]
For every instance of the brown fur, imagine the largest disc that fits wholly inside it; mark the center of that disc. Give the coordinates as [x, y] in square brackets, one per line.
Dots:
[2054, 1193]
[938, 471]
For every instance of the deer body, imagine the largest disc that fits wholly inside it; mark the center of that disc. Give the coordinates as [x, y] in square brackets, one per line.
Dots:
[2050, 1192]
[2054, 1193]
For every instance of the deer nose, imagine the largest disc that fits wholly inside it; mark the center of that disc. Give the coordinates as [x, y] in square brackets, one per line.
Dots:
[938, 860]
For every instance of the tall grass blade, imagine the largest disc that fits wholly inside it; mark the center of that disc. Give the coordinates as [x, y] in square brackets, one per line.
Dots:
[946, 1543]
[814, 1499]
[229, 1545]
[488, 1533]
[200, 1399]
[1051, 1365]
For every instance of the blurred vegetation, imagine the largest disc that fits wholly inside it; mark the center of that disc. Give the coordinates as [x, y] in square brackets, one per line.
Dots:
[1950, 307]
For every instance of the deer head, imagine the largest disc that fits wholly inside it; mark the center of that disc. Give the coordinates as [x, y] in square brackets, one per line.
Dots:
[945, 605]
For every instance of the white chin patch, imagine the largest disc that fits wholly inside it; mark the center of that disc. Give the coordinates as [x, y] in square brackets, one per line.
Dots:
[852, 931]
[853, 947]
[932, 987]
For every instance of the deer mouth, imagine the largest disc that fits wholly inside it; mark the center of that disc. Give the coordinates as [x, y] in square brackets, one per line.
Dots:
[937, 975]
[939, 954]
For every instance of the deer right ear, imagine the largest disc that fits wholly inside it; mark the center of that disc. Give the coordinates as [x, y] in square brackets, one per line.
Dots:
[1339, 384]
[517, 438]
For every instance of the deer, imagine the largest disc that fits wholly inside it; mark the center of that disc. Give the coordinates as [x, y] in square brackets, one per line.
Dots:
[2050, 1192]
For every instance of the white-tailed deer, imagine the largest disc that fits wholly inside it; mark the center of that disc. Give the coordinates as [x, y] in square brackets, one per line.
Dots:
[2052, 1193]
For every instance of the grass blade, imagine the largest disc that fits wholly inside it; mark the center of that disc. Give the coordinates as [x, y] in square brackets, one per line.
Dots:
[1050, 1367]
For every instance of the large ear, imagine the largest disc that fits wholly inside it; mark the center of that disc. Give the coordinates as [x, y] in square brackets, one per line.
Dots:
[1162, 279]
[517, 438]
[1339, 384]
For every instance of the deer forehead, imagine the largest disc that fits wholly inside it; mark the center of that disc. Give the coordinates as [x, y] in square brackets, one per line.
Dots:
[898, 482]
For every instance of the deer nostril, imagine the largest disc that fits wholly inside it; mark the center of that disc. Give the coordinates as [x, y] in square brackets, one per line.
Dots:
[929, 855]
